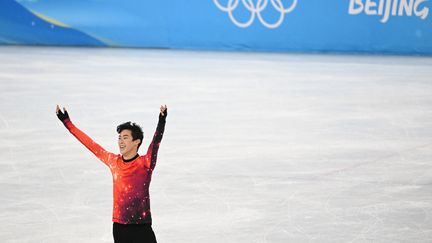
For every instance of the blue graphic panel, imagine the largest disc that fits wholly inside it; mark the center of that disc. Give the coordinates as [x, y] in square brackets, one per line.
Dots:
[385, 26]
[20, 26]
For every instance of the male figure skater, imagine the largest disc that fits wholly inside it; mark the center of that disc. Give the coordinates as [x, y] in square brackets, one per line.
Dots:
[131, 175]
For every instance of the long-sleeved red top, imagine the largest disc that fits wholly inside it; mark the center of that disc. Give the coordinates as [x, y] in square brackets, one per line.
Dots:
[131, 180]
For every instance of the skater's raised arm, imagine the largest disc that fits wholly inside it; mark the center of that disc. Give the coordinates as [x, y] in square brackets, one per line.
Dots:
[157, 138]
[95, 148]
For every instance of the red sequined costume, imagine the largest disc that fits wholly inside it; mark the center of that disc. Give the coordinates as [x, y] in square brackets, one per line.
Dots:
[131, 180]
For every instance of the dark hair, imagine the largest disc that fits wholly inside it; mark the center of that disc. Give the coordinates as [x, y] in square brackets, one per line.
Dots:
[135, 129]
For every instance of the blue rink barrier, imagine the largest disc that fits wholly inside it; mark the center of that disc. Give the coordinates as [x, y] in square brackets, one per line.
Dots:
[377, 26]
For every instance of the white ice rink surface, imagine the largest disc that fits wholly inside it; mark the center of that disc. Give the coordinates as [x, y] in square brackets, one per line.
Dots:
[257, 148]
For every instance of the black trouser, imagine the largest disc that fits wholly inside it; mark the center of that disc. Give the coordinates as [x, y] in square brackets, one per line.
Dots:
[133, 233]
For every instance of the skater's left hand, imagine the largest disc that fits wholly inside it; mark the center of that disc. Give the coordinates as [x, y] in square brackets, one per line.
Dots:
[163, 111]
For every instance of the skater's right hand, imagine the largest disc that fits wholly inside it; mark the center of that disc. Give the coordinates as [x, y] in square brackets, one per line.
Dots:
[62, 116]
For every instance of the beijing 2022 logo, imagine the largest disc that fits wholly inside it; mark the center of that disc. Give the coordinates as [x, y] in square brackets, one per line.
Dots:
[255, 10]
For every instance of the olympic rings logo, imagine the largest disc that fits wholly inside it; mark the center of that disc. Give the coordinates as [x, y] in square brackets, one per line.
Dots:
[255, 11]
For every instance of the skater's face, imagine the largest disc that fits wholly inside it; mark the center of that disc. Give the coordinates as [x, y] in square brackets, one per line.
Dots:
[126, 145]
